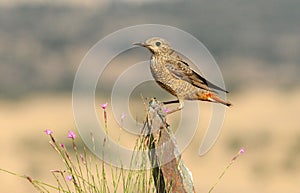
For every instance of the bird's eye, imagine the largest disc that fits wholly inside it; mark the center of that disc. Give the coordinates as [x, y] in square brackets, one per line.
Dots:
[157, 43]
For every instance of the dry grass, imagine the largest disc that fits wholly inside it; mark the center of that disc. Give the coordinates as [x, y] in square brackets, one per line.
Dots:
[265, 122]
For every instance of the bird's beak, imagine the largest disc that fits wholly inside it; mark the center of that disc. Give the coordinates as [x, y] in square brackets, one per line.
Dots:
[140, 44]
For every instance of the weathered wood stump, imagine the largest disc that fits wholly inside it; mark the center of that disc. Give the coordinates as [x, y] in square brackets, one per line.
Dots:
[168, 170]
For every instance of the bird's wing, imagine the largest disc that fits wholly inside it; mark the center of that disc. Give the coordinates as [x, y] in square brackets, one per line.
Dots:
[181, 70]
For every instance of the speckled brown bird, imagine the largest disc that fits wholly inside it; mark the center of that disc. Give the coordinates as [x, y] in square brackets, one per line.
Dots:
[173, 74]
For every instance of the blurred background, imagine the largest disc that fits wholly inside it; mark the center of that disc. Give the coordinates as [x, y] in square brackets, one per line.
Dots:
[256, 44]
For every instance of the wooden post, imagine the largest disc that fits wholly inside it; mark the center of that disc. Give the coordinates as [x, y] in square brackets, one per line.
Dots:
[168, 170]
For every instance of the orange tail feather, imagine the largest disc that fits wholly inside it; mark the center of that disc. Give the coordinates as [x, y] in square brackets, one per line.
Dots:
[214, 98]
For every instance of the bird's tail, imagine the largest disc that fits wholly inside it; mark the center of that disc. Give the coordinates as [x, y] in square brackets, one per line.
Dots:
[215, 98]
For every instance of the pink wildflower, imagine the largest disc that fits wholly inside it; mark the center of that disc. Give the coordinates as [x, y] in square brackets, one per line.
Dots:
[48, 131]
[104, 106]
[71, 135]
[69, 177]
[242, 151]
[167, 110]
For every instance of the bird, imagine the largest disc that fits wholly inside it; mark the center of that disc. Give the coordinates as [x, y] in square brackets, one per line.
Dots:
[175, 75]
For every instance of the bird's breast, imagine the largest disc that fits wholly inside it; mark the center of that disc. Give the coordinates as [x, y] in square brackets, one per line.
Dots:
[159, 71]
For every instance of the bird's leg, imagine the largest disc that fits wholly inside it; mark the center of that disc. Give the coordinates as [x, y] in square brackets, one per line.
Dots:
[171, 102]
[181, 105]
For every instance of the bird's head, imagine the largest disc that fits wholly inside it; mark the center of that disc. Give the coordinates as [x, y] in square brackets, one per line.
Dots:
[156, 45]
